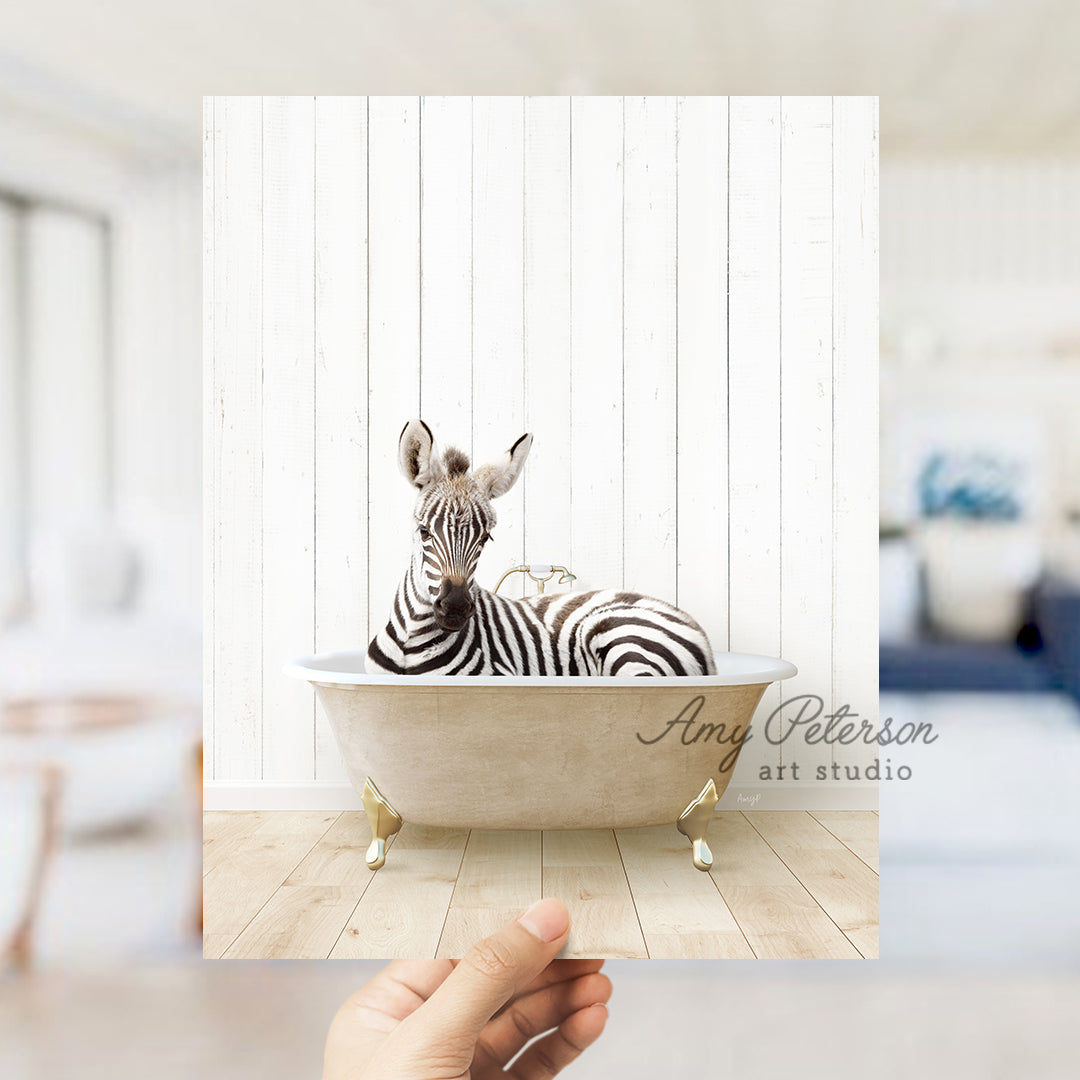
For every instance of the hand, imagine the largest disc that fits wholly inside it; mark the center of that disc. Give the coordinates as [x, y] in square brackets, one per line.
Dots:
[465, 1020]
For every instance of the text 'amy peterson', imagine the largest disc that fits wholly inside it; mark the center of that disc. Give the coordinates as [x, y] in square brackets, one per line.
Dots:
[809, 720]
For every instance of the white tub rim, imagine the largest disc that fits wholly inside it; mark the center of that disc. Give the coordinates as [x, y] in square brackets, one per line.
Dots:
[345, 668]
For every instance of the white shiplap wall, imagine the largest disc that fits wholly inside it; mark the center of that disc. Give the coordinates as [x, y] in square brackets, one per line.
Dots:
[677, 296]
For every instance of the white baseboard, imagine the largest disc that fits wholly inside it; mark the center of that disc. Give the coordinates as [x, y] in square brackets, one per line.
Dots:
[776, 795]
[278, 795]
[799, 795]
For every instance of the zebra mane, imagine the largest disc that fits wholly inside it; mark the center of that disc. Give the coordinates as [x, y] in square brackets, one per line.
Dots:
[455, 462]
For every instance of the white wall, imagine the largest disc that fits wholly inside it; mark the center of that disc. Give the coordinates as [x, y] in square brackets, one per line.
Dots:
[157, 385]
[984, 253]
[100, 380]
[678, 297]
[980, 274]
[67, 380]
[11, 476]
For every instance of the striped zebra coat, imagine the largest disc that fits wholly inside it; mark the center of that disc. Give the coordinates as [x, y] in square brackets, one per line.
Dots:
[443, 623]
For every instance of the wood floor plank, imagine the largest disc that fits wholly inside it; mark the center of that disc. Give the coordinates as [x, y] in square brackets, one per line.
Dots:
[500, 877]
[224, 831]
[865, 939]
[231, 824]
[792, 829]
[402, 911]
[841, 883]
[784, 884]
[844, 886]
[741, 856]
[299, 922]
[251, 868]
[682, 946]
[785, 921]
[855, 829]
[584, 870]
[214, 945]
[338, 858]
[797, 946]
[777, 914]
[672, 898]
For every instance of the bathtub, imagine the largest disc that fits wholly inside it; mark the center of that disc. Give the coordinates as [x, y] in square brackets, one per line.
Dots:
[539, 752]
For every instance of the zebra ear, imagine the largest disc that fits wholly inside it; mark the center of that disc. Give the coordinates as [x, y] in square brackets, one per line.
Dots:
[417, 457]
[499, 477]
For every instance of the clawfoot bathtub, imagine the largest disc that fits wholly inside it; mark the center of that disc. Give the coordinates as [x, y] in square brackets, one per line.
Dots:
[539, 752]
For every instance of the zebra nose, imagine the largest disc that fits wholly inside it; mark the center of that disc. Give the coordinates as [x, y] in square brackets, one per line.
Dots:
[454, 602]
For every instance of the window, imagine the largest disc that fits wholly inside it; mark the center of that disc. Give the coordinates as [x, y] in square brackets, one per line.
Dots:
[55, 381]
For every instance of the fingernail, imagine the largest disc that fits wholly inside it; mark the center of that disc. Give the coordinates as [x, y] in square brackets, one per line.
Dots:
[546, 919]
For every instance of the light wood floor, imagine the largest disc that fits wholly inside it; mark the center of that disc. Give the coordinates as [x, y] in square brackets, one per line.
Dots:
[785, 884]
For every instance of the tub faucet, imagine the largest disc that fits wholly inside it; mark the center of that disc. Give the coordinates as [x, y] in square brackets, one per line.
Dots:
[541, 573]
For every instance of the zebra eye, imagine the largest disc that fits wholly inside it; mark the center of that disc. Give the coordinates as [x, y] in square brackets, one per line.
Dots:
[485, 538]
[424, 534]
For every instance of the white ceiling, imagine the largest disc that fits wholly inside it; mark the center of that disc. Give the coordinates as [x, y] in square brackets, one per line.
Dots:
[954, 76]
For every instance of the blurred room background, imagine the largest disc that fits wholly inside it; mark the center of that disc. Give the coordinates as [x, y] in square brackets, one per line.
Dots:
[100, 414]
[100, 502]
[980, 548]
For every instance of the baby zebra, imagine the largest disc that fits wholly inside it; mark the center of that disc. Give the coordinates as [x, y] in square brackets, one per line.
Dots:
[443, 623]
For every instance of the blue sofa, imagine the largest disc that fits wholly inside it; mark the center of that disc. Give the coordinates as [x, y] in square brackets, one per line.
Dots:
[1045, 657]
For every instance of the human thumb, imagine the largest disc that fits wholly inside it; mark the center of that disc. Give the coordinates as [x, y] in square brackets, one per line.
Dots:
[490, 974]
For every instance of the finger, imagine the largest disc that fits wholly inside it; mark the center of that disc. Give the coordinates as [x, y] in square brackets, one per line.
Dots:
[369, 1015]
[398, 990]
[550, 1055]
[492, 972]
[421, 977]
[558, 971]
[533, 1014]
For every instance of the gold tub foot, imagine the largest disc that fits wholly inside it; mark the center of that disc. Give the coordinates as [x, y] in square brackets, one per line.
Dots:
[694, 820]
[384, 821]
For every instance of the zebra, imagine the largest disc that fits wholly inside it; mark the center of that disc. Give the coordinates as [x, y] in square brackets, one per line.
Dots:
[443, 623]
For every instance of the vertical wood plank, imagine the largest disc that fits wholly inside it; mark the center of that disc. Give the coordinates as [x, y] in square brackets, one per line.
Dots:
[341, 393]
[806, 570]
[754, 399]
[855, 412]
[649, 380]
[547, 330]
[394, 338]
[498, 405]
[288, 442]
[446, 285]
[237, 421]
[701, 460]
[596, 316]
